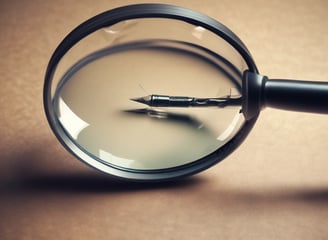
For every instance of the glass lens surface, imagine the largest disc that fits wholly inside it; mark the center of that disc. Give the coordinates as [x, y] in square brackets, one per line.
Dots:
[92, 94]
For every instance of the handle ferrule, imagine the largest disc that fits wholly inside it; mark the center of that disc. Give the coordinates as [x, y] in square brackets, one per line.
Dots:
[294, 95]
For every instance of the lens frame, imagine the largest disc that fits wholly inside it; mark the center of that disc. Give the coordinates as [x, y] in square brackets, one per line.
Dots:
[112, 17]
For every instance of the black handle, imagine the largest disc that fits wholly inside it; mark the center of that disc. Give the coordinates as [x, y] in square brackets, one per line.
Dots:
[304, 96]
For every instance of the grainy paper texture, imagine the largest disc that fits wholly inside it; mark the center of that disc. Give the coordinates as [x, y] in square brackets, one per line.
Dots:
[275, 186]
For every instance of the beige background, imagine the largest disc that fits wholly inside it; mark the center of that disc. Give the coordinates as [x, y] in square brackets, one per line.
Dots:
[275, 186]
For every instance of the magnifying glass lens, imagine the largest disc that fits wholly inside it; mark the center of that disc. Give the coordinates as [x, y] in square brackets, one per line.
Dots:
[94, 82]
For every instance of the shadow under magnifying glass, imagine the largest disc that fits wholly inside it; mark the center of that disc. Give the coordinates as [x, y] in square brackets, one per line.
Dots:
[35, 172]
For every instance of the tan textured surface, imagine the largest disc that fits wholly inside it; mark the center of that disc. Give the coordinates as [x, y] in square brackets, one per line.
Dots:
[275, 186]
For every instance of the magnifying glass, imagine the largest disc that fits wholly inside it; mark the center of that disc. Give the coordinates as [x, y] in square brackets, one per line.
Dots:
[154, 92]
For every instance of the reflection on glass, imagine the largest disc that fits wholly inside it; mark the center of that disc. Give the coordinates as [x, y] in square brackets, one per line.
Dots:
[94, 107]
[70, 120]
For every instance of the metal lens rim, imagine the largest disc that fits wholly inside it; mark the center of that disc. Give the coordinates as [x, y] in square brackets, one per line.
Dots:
[129, 12]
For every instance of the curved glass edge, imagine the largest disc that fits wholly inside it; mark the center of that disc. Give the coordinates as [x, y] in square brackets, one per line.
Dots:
[214, 59]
